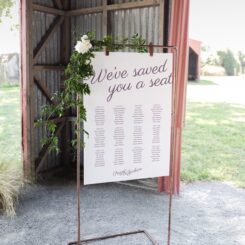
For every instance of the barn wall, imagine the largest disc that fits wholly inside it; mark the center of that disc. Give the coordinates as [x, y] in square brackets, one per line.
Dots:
[121, 23]
[121, 18]
[41, 77]
[145, 21]
[49, 30]
[51, 79]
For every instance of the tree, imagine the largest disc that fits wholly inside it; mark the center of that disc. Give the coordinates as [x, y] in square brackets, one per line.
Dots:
[241, 58]
[228, 61]
[5, 6]
[208, 56]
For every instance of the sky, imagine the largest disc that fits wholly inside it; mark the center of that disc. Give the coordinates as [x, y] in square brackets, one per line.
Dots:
[9, 40]
[219, 24]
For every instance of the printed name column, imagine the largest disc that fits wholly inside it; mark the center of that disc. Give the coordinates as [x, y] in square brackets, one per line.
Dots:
[119, 134]
[99, 136]
[156, 132]
[138, 119]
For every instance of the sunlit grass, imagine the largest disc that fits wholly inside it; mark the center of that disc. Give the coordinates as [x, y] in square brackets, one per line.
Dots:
[10, 126]
[214, 143]
[10, 148]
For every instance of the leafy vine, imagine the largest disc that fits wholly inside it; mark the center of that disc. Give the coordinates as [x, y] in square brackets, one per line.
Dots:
[78, 70]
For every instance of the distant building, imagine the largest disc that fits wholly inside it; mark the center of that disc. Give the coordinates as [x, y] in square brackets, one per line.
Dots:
[194, 59]
[9, 67]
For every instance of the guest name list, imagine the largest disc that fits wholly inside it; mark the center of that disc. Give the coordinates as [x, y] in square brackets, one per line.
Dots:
[128, 117]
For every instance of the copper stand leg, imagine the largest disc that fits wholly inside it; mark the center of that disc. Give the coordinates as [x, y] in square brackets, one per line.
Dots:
[171, 174]
[78, 167]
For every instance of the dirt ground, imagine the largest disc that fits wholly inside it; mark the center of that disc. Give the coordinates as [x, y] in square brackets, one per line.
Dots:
[206, 213]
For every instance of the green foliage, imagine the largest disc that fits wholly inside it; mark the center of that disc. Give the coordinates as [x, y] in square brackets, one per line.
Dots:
[115, 44]
[5, 6]
[228, 61]
[211, 60]
[241, 58]
[77, 73]
[138, 42]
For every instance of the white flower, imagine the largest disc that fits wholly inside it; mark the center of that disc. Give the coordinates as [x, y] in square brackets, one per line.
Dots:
[84, 45]
[78, 46]
[84, 38]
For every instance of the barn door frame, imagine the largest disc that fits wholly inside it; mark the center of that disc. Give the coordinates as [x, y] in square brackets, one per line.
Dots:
[176, 30]
[29, 66]
[31, 164]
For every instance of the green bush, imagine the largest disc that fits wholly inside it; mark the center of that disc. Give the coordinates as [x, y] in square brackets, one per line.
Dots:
[228, 61]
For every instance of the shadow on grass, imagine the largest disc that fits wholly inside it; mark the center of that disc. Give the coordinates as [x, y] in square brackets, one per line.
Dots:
[213, 143]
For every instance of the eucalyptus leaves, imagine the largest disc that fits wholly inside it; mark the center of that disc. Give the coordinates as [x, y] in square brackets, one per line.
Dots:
[77, 72]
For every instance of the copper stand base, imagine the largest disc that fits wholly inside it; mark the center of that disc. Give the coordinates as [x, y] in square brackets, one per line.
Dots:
[116, 235]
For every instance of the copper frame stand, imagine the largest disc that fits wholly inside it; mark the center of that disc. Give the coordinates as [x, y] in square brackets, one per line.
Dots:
[114, 236]
[79, 241]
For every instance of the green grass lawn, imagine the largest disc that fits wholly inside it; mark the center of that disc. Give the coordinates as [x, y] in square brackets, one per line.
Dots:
[214, 143]
[213, 139]
[201, 82]
[10, 129]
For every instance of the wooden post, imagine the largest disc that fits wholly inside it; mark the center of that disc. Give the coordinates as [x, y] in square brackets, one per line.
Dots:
[26, 76]
[179, 38]
[161, 21]
[104, 18]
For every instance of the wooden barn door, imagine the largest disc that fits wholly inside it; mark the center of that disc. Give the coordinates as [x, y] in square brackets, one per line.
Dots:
[122, 18]
[45, 51]
[49, 30]
[158, 21]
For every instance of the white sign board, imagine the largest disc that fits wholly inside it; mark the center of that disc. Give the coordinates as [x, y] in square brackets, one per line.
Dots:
[128, 117]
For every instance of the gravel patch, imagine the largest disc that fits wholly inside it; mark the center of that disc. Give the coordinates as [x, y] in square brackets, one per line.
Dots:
[206, 213]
